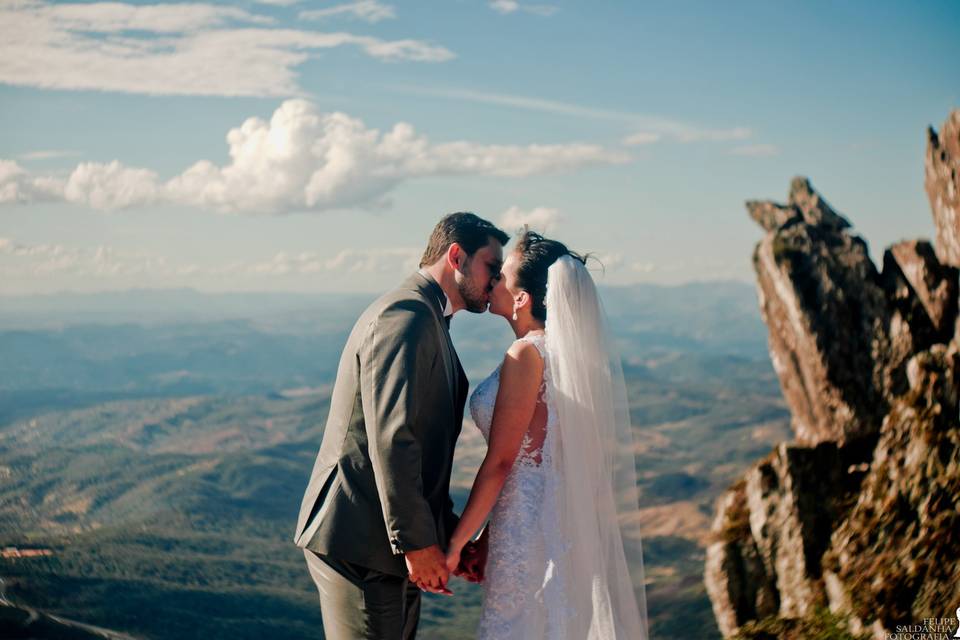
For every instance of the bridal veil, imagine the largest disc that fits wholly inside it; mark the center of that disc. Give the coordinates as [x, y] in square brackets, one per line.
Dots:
[597, 563]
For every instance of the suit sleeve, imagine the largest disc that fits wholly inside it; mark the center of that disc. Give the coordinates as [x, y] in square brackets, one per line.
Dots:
[450, 519]
[395, 359]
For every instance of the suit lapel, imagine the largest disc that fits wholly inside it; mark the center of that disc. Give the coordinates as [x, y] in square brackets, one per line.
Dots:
[432, 292]
[453, 363]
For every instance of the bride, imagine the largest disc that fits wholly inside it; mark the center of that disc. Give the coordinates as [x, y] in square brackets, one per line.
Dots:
[559, 473]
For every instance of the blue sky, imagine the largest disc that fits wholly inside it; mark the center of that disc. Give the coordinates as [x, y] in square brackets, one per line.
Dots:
[632, 129]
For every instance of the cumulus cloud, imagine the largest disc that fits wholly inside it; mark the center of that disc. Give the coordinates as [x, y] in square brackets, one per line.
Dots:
[756, 150]
[18, 186]
[301, 160]
[539, 219]
[512, 6]
[169, 49]
[367, 10]
[111, 186]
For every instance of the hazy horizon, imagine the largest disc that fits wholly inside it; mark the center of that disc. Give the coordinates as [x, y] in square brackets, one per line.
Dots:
[144, 289]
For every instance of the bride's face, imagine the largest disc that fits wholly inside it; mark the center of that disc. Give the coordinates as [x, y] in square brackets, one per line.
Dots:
[506, 291]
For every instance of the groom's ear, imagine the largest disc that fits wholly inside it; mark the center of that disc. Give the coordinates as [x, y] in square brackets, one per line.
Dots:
[455, 255]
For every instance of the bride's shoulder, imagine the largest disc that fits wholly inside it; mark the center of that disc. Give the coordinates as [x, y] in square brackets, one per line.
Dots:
[525, 349]
[522, 361]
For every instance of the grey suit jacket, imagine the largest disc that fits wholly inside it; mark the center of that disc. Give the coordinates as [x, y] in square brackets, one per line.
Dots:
[381, 482]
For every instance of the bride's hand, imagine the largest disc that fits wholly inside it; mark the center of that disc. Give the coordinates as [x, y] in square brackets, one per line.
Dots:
[473, 557]
[453, 558]
[476, 563]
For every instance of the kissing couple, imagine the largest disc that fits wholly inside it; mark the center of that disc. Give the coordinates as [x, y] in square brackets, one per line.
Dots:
[556, 485]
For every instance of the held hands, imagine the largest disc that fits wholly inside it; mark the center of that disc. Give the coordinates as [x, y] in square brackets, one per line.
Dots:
[468, 561]
[428, 569]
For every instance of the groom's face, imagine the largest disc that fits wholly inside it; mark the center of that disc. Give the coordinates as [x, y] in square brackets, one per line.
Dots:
[478, 275]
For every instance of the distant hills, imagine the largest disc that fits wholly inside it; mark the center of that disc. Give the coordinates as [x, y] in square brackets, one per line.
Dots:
[159, 443]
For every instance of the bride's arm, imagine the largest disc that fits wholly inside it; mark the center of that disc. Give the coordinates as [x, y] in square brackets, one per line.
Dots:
[520, 378]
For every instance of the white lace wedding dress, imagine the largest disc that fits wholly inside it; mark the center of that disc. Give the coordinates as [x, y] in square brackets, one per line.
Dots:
[564, 562]
[523, 596]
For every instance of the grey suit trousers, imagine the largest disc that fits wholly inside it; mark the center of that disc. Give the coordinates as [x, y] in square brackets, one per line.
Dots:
[360, 603]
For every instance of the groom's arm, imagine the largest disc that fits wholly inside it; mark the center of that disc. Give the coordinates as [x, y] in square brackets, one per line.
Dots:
[395, 360]
[450, 519]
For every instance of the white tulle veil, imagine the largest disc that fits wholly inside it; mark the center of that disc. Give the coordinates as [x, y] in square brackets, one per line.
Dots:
[595, 497]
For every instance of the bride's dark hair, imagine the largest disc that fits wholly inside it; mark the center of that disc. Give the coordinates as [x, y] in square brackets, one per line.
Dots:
[536, 255]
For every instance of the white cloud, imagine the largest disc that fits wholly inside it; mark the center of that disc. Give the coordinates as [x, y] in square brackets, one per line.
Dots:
[504, 6]
[301, 160]
[756, 150]
[512, 6]
[649, 125]
[111, 186]
[48, 154]
[367, 10]
[642, 137]
[169, 49]
[540, 219]
[18, 186]
[113, 17]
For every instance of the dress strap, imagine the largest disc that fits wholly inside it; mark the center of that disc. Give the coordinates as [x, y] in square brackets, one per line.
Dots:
[536, 340]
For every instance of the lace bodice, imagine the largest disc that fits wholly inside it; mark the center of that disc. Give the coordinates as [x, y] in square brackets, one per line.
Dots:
[484, 399]
[523, 597]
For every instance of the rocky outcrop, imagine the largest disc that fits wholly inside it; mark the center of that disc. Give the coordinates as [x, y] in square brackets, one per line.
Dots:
[772, 529]
[922, 295]
[943, 187]
[739, 586]
[856, 523]
[804, 205]
[894, 560]
[826, 310]
[793, 498]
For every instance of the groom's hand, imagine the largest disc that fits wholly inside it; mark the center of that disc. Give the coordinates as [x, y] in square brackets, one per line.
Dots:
[428, 569]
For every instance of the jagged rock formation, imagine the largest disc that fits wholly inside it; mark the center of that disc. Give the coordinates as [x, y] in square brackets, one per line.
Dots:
[922, 296]
[738, 584]
[860, 514]
[772, 529]
[894, 559]
[943, 187]
[822, 299]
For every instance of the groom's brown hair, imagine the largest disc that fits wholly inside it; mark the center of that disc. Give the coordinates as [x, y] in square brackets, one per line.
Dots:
[468, 230]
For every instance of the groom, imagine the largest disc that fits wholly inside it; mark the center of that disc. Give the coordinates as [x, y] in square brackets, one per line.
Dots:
[377, 514]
